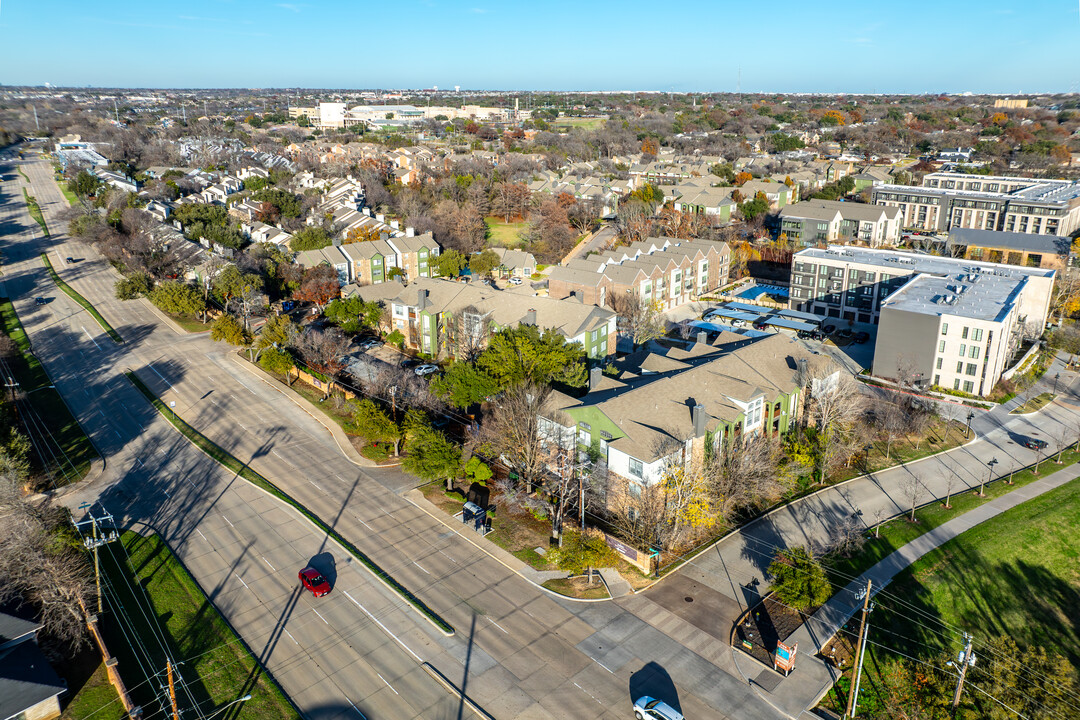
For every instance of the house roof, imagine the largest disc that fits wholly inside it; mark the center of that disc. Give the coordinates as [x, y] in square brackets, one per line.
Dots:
[1024, 242]
[26, 679]
[655, 405]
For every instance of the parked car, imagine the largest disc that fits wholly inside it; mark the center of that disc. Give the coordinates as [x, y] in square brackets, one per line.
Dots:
[843, 333]
[69, 260]
[369, 343]
[828, 329]
[410, 363]
[40, 300]
[1035, 444]
[810, 334]
[860, 337]
[648, 708]
[426, 369]
[515, 281]
[313, 580]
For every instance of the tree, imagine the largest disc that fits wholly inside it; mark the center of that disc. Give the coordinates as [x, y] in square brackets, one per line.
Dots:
[323, 350]
[278, 332]
[462, 385]
[448, 263]
[835, 404]
[276, 360]
[430, 455]
[513, 431]
[477, 470]
[798, 579]
[85, 185]
[524, 354]
[484, 263]
[753, 209]
[286, 204]
[581, 552]
[177, 298]
[320, 284]
[361, 233]
[742, 178]
[511, 199]
[353, 314]
[311, 237]
[639, 319]
[134, 286]
[371, 423]
[1030, 682]
[232, 284]
[229, 329]
[649, 146]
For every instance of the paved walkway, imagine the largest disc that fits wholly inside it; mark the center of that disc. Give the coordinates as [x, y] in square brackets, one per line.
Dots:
[798, 693]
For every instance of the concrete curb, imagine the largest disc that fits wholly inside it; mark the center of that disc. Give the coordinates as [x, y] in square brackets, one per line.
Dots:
[301, 402]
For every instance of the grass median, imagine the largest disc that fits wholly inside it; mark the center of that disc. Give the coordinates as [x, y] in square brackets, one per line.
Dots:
[35, 211]
[234, 464]
[59, 426]
[74, 295]
[161, 603]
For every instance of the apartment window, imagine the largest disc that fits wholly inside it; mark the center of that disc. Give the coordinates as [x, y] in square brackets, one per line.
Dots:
[594, 335]
[636, 469]
[974, 352]
[754, 413]
[969, 386]
[941, 346]
[945, 329]
[960, 366]
[972, 369]
[937, 380]
[956, 384]
[939, 363]
[977, 335]
[584, 437]
[964, 334]
[963, 349]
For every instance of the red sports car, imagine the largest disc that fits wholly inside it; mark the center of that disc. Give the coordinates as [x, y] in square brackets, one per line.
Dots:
[313, 580]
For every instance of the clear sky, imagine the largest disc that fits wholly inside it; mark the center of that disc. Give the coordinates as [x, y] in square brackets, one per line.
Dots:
[691, 45]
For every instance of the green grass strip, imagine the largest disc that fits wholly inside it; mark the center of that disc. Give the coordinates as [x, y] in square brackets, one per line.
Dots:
[196, 633]
[81, 300]
[71, 197]
[24, 175]
[46, 400]
[35, 211]
[234, 464]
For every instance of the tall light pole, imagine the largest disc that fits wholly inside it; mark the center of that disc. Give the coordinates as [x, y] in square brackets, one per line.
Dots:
[970, 415]
[989, 476]
[228, 705]
[1057, 376]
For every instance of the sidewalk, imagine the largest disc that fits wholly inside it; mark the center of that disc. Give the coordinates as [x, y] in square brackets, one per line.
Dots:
[798, 693]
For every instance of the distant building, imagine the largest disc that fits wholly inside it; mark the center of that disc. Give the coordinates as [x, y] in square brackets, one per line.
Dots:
[29, 688]
[818, 222]
[1011, 248]
[1011, 103]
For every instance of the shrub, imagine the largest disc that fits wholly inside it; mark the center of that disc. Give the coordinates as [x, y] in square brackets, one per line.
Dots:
[396, 338]
[376, 451]
[276, 361]
[134, 286]
[799, 579]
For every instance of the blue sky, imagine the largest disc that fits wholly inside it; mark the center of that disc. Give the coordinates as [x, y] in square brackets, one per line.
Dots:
[692, 45]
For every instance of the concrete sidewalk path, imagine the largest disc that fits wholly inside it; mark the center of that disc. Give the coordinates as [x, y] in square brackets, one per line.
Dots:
[798, 693]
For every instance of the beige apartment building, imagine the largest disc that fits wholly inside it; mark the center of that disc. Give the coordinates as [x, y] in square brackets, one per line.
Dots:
[981, 202]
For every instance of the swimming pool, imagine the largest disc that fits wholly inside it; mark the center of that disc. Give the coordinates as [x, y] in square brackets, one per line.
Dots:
[755, 291]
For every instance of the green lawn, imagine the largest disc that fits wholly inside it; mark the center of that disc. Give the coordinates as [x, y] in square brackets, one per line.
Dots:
[72, 199]
[583, 123]
[35, 211]
[1034, 404]
[74, 295]
[503, 234]
[95, 696]
[216, 665]
[1016, 574]
[72, 448]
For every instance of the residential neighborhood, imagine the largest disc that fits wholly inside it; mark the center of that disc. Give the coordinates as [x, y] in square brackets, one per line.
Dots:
[714, 389]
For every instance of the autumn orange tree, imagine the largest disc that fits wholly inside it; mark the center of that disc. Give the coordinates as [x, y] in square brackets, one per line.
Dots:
[362, 234]
[743, 178]
[649, 146]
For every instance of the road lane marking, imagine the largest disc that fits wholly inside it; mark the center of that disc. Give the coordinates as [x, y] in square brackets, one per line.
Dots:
[166, 493]
[290, 635]
[388, 684]
[320, 615]
[385, 629]
[242, 581]
[268, 563]
[354, 707]
[227, 520]
[91, 337]
[604, 666]
[151, 366]
[363, 523]
[420, 566]
[588, 693]
[502, 628]
[313, 483]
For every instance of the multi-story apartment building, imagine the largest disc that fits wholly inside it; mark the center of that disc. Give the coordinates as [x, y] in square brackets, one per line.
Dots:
[819, 222]
[445, 318]
[1011, 248]
[955, 200]
[667, 271]
[852, 283]
[373, 261]
[949, 322]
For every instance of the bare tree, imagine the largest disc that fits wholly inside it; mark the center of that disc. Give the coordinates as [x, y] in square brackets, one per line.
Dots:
[640, 319]
[950, 484]
[836, 403]
[911, 489]
[847, 537]
[323, 350]
[891, 422]
[516, 431]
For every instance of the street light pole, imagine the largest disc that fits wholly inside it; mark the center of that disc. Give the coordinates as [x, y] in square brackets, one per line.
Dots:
[989, 476]
[224, 707]
[970, 415]
[1056, 377]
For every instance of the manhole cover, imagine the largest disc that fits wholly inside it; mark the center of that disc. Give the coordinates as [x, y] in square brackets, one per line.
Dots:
[688, 599]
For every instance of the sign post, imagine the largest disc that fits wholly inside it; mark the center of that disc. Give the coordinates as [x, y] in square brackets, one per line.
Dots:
[784, 659]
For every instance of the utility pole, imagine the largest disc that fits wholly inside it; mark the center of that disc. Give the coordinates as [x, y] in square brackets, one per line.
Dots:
[116, 111]
[37, 125]
[93, 543]
[966, 659]
[172, 690]
[860, 652]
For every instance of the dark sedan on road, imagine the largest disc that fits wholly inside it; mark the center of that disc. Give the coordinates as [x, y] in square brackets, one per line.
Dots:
[1035, 444]
[314, 581]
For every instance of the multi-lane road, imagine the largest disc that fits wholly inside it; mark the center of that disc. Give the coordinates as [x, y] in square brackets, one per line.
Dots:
[360, 652]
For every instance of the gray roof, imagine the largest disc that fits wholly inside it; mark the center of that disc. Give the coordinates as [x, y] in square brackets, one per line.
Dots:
[907, 263]
[977, 296]
[1026, 242]
[26, 679]
[12, 628]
